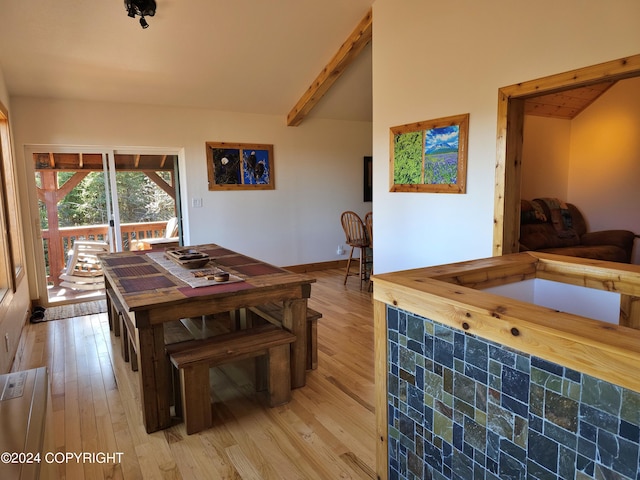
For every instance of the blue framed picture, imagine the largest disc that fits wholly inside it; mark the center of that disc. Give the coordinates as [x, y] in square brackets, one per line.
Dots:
[240, 166]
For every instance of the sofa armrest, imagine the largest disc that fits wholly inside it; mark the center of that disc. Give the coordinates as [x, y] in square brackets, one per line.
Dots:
[620, 238]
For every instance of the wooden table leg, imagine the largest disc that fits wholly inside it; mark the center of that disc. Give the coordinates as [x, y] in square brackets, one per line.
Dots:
[112, 312]
[155, 390]
[295, 320]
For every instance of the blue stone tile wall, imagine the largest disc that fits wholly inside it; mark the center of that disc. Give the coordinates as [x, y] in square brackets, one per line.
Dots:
[461, 407]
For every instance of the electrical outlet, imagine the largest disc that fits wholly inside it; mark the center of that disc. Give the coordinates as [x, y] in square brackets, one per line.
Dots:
[340, 250]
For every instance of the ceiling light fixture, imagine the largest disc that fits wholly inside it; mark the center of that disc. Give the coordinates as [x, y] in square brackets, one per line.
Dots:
[141, 7]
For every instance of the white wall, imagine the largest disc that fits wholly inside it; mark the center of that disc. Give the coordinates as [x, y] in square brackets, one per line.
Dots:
[604, 172]
[318, 169]
[435, 59]
[545, 157]
[583, 301]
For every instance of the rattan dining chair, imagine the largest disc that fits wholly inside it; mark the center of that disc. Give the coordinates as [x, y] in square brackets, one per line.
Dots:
[356, 237]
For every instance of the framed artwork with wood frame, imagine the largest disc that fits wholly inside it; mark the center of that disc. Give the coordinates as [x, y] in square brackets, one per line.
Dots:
[430, 156]
[240, 166]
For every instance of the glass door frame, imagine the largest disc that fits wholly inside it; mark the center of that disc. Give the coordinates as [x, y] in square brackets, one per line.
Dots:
[39, 283]
[115, 233]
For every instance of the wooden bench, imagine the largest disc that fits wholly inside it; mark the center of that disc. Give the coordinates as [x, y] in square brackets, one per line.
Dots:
[269, 344]
[122, 326]
[174, 332]
[274, 313]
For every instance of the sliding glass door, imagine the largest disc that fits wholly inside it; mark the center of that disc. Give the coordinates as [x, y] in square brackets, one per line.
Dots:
[144, 195]
[113, 197]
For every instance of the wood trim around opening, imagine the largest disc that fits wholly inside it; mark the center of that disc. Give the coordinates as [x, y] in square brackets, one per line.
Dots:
[510, 135]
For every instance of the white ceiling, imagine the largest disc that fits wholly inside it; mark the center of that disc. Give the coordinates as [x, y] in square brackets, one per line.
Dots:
[256, 56]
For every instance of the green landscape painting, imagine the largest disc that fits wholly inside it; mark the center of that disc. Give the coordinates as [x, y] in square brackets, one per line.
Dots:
[430, 156]
[440, 156]
[407, 154]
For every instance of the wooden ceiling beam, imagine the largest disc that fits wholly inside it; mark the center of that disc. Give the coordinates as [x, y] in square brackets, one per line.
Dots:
[69, 185]
[159, 181]
[72, 162]
[348, 52]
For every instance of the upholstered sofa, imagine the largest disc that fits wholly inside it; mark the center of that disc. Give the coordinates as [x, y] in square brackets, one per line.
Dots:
[553, 226]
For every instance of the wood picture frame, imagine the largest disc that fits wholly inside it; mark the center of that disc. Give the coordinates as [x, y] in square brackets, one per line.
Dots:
[430, 156]
[240, 166]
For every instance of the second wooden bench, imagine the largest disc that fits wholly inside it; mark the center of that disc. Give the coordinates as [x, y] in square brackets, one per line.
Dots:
[274, 313]
[123, 327]
[271, 346]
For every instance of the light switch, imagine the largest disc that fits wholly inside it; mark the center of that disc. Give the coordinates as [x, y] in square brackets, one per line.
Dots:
[196, 202]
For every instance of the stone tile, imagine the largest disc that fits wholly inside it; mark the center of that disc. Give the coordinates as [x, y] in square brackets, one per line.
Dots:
[461, 407]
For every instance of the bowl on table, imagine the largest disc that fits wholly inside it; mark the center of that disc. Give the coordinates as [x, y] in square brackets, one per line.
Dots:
[188, 257]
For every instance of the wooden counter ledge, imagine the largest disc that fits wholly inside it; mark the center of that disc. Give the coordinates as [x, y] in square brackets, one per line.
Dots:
[453, 296]
[449, 294]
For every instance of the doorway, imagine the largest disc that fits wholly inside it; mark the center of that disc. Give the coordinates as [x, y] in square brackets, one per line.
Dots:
[109, 198]
[511, 111]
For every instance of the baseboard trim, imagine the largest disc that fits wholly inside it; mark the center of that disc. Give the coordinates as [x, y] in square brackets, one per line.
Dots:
[314, 267]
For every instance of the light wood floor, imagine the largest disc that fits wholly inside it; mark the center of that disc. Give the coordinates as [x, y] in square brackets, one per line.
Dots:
[327, 431]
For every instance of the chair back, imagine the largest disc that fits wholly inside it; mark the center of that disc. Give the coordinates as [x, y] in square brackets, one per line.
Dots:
[368, 223]
[354, 229]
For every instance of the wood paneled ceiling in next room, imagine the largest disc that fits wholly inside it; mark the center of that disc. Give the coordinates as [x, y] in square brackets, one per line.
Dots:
[565, 104]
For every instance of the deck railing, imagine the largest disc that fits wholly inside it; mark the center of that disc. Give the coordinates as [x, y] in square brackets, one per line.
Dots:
[67, 235]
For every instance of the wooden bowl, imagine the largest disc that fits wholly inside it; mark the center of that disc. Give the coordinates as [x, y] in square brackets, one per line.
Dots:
[221, 277]
[197, 263]
[188, 258]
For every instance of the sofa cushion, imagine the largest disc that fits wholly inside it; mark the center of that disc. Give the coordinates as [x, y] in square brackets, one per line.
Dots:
[559, 215]
[537, 236]
[549, 223]
[553, 226]
[529, 213]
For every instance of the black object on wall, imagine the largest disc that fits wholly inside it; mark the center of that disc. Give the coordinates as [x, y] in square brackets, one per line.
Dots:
[368, 179]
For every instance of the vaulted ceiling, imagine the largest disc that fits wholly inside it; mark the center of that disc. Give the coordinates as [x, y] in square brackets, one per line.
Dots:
[248, 56]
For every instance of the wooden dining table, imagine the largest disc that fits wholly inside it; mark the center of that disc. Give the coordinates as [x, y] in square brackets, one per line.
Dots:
[142, 286]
